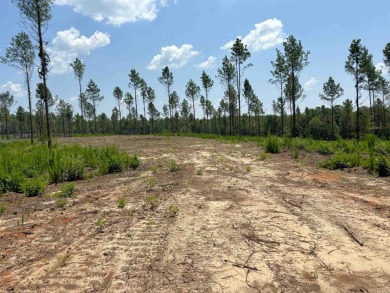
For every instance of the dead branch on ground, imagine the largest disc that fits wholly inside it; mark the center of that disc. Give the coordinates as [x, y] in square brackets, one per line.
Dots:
[353, 236]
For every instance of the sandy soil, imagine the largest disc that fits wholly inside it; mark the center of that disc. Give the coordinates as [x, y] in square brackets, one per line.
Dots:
[242, 225]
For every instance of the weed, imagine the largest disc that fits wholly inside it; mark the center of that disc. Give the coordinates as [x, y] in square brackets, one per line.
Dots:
[295, 152]
[22, 219]
[15, 181]
[262, 156]
[122, 203]
[272, 145]
[61, 202]
[382, 167]
[134, 162]
[131, 212]
[371, 142]
[65, 167]
[174, 167]
[173, 210]
[152, 201]
[100, 223]
[67, 190]
[2, 209]
[154, 169]
[149, 224]
[151, 182]
[248, 168]
[287, 142]
[342, 161]
[33, 187]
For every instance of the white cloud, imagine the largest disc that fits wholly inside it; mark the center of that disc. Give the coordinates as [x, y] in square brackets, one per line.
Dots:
[117, 12]
[266, 35]
[15, 89]
[308, 86]
[69, 44]
[173, 56]
[209, 63]
[381, 66]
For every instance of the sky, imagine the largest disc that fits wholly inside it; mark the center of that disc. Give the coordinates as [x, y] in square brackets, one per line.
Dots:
[189, 36]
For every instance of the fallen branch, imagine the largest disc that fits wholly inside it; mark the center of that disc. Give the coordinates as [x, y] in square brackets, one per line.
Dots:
[353, 236]
[260, 240]
[323, 264]
[293, 204]
[242, 266]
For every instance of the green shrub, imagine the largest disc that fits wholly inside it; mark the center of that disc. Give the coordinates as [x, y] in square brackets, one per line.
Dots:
[65, 167]
[67, 190]
[323, 148]
[342, 161]
[134, 162]
[15, 181]
[33, 187]
[272, 145]
[73, 168]
[114, 161]
[382, 167]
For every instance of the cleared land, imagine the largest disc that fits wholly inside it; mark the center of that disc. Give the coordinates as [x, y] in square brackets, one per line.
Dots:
[242, 225]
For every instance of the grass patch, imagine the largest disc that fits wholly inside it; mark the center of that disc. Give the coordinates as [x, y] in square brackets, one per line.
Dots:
[174, 167]
[152, 201]
[33, 187]
[67, 190]
[122, 203]
[173, 210]
[61, 202]
[23, 164]
[272, 145]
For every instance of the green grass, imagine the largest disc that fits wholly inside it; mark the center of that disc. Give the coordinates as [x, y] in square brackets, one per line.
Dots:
[67, 190]
[23, 165]
[122, 203]
[272, 145]
[174, 167]
[33, 187]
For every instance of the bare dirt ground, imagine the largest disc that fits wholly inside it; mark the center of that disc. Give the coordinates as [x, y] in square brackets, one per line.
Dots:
[243, 225]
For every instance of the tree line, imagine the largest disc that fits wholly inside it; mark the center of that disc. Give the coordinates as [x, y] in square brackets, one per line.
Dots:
[52, 115]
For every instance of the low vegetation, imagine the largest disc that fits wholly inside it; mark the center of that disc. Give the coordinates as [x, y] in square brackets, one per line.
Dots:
[28, 168]
[372, 153]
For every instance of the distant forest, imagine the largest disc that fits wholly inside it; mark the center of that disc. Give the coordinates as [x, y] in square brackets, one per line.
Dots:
[240, 112]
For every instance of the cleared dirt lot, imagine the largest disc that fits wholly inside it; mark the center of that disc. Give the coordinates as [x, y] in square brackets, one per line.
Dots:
[243, 225]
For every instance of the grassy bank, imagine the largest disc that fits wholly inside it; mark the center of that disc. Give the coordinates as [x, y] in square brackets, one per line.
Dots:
[28, 168]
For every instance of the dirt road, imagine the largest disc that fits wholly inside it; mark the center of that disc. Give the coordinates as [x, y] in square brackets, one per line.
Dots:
[225, 222]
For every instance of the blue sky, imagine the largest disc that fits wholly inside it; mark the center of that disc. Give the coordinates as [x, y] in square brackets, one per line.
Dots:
[112, 37]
